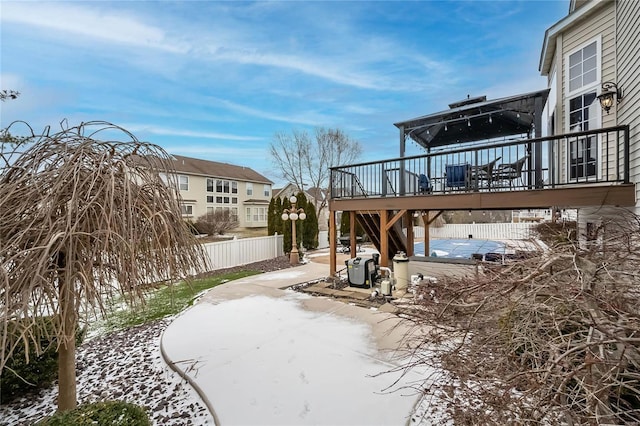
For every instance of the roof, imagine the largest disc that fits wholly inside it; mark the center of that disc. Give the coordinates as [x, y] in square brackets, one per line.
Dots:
[208, 168]
[255, 201]
[312, 193]
[578, 11]
[476, 119]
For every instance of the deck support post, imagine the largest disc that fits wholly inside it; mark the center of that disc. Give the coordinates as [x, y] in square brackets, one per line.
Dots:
[384, 239]
[332, 243]
[409, 220]
[353, 250]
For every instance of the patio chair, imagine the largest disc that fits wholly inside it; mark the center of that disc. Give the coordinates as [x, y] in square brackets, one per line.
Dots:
[510, 172]
[484, 172]
[457, 175]
[424, 184]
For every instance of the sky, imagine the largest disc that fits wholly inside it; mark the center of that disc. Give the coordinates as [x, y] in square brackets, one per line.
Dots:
[218, 79]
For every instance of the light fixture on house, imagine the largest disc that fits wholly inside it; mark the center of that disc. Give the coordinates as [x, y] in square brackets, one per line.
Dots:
[490, 120]
[468, 122]
[445, 127]
[610, 91]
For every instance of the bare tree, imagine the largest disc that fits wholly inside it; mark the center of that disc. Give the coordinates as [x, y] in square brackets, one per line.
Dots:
[8, 94]
[304, 160]
[82, 221]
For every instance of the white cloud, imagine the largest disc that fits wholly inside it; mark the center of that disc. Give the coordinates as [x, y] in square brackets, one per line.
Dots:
[308, 118]
[88, 22]
[210, 151]
[165, 131]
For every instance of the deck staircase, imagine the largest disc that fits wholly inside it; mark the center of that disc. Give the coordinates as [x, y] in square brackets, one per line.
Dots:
[370, 222]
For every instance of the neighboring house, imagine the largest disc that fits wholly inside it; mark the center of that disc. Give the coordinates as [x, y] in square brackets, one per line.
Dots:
[208, 186]
[595, 45]
[317, 196]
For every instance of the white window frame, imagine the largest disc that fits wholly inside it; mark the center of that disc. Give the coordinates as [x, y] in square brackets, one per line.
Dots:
[183, 186]
[248, 214]
[584, 87]
[592, 87]
[186, 209]
[249, 188]
[267, 190]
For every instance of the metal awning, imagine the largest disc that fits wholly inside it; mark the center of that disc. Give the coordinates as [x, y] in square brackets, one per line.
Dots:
[476, 119]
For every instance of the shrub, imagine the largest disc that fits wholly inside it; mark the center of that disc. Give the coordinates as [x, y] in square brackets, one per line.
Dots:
[216, 223]
[100, 413]
[20, 377]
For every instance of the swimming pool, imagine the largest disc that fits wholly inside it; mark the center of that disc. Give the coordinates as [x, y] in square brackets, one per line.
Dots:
[459, 248]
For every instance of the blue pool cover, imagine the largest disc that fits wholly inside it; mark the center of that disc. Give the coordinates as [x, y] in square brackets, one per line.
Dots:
[459, 248]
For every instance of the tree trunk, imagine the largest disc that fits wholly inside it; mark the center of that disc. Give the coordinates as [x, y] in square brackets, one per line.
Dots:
[67, 346]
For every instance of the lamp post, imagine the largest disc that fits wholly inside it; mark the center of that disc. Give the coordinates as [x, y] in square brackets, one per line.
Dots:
[293, 214]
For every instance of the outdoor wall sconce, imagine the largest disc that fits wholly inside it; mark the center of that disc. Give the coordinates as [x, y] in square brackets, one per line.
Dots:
[609, 91]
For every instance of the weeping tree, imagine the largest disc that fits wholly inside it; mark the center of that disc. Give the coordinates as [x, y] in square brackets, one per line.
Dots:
[83, 220]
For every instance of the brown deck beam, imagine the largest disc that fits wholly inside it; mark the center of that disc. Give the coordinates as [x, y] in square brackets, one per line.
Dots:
[622, 195]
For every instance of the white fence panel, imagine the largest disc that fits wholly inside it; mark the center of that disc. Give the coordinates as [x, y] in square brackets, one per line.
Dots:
[323, 239]
[236, 252]
[483, 231]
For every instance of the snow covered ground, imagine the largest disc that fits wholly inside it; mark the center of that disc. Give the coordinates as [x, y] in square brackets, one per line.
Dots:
[126, 366]
[259, 360]
[268, 361]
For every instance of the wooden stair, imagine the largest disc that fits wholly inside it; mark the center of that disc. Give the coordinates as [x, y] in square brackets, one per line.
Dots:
[370, 222]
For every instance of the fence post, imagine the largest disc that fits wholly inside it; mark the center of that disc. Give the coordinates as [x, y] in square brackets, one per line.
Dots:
[275, 245]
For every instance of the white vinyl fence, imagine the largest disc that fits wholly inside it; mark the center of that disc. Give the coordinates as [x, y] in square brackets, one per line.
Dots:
[236, 252]
[483, 231]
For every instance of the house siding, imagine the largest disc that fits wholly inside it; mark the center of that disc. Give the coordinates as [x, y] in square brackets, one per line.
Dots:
[628, 111]
[598, 26]
[251, 208]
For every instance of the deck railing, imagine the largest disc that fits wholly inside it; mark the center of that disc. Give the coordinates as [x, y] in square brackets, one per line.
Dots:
[587, 157]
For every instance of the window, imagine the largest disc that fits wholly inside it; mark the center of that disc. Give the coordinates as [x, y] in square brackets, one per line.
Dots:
[249, 188]
[583, 151]
[183, 181]
[219, 200]
[210, 184]
[263, 215]
[234, 200]
[210, 210]
[248, 214]
[226, 200]
[187, 210]
[234, 187]
[583, 109]
[224, 186]
[210, 198]
[234, 213]
[267, 190]
[583, 67]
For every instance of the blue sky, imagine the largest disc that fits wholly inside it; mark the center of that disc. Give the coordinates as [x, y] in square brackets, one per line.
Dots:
[216, 80]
